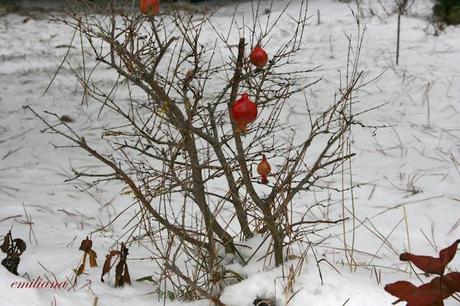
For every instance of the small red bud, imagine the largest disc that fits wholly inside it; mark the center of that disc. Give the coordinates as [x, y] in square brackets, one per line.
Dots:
[264, 169]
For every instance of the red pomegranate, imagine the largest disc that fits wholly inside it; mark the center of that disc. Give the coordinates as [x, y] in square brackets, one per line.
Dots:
[244, 112]
[149, 7]
[258, 57]
[264, 169]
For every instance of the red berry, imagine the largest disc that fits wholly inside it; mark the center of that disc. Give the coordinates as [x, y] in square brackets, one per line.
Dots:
[258, 57]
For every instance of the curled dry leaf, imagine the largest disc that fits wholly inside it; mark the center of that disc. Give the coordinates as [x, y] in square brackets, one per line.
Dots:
[452, 281]
[119, 274]
[446, 255]
[6, 243]
[20, 245]
[107, 263]
[81, 268]
[401, 289]
[426, 294]
[122, 276]
[425, 298]
[86, 245]
[433, 265]
[92, 259]
[427, 264]
[66, 119]
[126, 277]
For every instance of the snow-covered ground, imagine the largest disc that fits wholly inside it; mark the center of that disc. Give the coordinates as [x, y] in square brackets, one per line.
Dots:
[408, 171]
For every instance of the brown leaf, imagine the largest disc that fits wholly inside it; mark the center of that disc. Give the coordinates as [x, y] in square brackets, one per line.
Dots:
[428, 264]
[92, 259]
[66, 119]
[425, 298]
[81, 269]
[119, 280]
[119, 274]
[107, 266]
[20, 244]
[86, 245]
[6, 243]
[401, 289]
[446, 255]
[452, 281]
[433, 265]
[126, 277]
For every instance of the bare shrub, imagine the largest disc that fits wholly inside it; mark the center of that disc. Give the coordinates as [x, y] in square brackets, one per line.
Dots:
[174, 146]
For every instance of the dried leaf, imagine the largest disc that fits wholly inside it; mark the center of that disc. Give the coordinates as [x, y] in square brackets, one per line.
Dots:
[425, 298]
[435, 285]
[402, 289]
[171, 295]
[6, 243]
[121, 269]
[431, 264]
[124, 251]
[119, 274]
[11, 264]
[452, 281]
[92, 259]
[446, 255]
[66, 119]
[20, 244]
[107, 266]
[427, 264]
[86, 245]
[111, 133]
[81, 269]
[126, 277]
[126, 191]
[146, 279]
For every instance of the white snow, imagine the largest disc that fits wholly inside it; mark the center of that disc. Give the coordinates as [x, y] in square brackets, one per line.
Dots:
[409, 168]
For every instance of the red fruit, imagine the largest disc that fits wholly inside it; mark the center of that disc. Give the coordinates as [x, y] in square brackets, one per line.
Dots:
[264, 169]
[244, 112]
[149, 7]
[258, 57]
